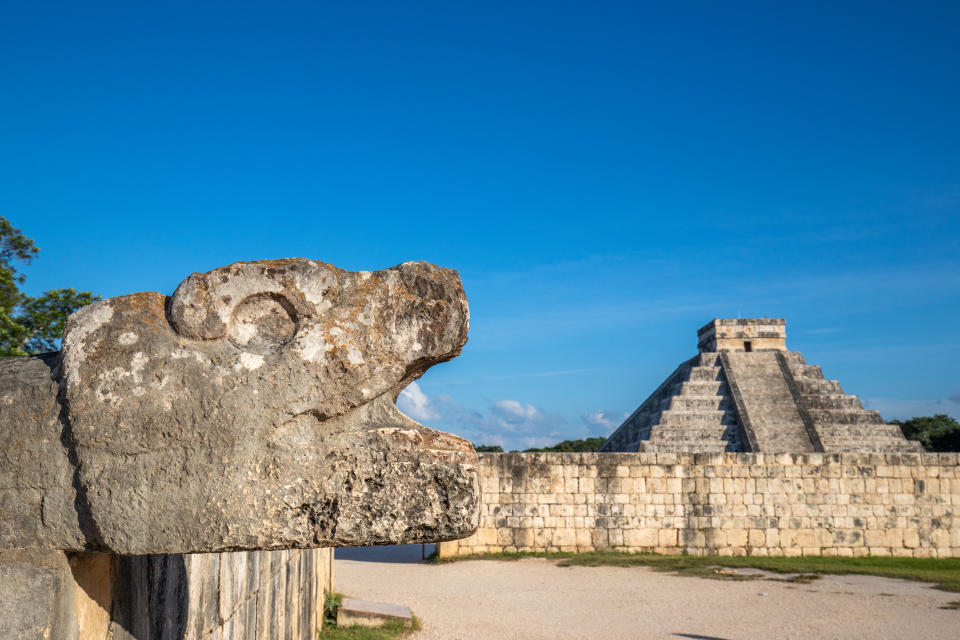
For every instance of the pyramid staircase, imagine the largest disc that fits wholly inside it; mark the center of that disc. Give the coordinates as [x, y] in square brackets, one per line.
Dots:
[695, 415]
[766, 402]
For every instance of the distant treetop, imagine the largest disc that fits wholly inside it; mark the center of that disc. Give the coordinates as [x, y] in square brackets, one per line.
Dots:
[936, 433]
[488, 448]
[586, 445]
[27, 324]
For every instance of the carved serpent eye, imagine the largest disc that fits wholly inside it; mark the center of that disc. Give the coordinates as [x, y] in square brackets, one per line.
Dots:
[262, 323]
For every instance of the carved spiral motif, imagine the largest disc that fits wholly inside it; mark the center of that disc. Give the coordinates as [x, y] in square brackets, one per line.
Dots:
[262, 323]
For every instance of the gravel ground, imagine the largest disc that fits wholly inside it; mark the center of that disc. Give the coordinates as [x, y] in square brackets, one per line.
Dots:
[533, 598]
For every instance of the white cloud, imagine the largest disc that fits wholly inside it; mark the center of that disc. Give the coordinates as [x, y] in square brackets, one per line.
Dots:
[513, 425]
[603, 420]
[516, 412]
[415, 403]
[509, 423]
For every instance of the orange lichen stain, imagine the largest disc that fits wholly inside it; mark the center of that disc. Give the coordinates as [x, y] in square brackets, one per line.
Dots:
[150, 306]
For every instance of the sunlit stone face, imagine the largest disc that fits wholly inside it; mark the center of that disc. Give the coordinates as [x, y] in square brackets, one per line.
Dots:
[255, 409]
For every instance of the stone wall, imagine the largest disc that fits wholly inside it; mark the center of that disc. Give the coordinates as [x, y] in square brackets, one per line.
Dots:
[255, 595]
[728, 504]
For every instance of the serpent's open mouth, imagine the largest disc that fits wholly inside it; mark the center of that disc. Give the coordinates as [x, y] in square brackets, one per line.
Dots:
[312, 428]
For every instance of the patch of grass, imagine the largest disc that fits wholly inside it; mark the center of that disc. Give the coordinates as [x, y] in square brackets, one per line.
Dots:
[388, 631]
[944, 573]
[330, 631]
[331, 602]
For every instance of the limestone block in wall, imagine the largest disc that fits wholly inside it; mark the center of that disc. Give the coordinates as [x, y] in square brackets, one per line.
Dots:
[38, 596]
[51, 595]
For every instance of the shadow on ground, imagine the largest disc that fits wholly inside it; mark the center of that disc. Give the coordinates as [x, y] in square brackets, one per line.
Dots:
[398, 553]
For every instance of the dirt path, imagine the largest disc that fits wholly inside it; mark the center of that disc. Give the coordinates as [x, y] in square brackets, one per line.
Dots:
[536, 599]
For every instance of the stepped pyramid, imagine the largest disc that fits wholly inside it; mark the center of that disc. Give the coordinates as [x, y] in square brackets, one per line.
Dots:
[745, 392]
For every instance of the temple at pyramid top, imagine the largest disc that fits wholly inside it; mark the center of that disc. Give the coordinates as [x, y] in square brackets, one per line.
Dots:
[744, 391]
[743, 334]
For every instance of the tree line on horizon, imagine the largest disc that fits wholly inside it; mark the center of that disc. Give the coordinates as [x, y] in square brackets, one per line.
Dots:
[585, 445]
[937, 434]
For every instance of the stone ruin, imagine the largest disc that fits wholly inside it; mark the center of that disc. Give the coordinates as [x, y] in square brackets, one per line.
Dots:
[744, 392]
[251, 410]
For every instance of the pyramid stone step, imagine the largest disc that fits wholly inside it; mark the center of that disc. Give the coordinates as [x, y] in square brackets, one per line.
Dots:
[835, 440]
[811, 386]
[842, 416]
[859, 431]
[811, 371]
[794, 359]
[679, 434]
[707, 360]
[694, 418]
[697, 403]
[700, 388]
[708, 374]
[832, 401]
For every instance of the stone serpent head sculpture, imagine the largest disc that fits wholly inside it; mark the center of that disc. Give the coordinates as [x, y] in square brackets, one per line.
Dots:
[253, 409]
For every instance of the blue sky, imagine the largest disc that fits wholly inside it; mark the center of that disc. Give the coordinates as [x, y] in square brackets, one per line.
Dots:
[607, 177]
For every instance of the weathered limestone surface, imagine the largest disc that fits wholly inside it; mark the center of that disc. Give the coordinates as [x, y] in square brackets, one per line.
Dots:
[253, 409]
[38, 596]
[851, 504]
[38, 506]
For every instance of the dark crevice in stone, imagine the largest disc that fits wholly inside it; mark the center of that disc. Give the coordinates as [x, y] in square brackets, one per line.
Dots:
[81, 504]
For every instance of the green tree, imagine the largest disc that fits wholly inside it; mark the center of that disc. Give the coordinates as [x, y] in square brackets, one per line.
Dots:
[586, 445]
[935, 433]
[488, 448]
[27, 324]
